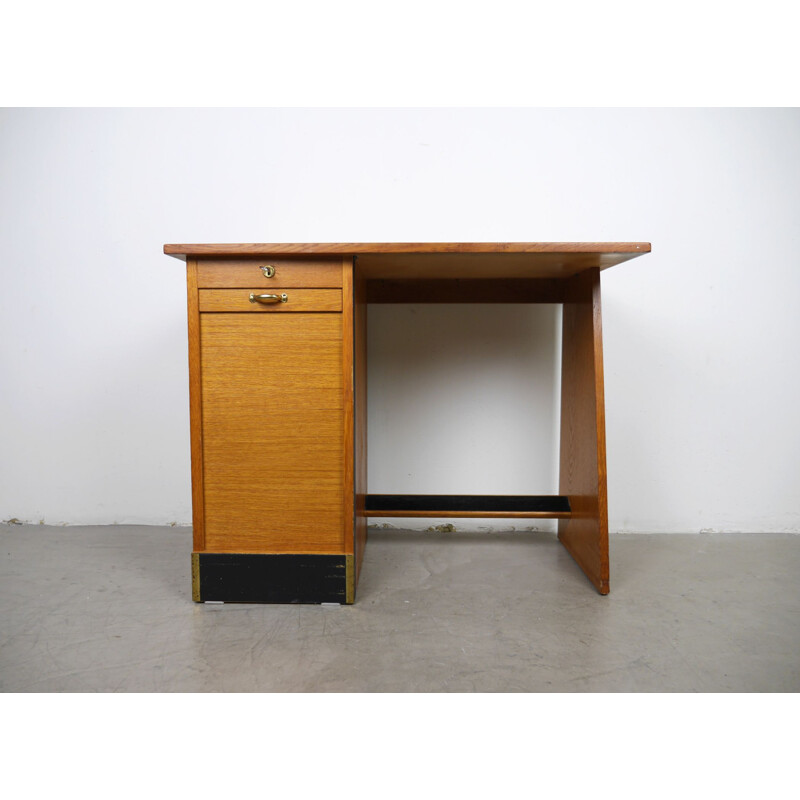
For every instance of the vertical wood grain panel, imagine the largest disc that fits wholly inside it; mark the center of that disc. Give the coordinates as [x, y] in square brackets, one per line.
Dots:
[360, 370]
[298, 300]
[227, 273]
[348, 444]
[583, 443]
[273, 433]
[195, 406]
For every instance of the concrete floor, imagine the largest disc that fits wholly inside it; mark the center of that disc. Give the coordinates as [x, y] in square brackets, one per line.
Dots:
[108, 609]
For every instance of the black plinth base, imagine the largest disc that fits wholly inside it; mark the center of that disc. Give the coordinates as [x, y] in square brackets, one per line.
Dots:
[270, 578]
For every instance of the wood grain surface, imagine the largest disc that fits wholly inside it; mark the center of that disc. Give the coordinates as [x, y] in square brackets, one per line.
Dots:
[487, 266]
[298, 300]
[583, 441]
[446, 260]
[319, 272]
[359, 248]
[479, 290]
[348, 442]
[195, 406]
[348, 386]
[360, 418]
[278, 403]
[272, 433]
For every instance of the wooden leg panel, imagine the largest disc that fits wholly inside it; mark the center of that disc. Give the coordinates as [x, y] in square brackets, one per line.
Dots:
[583, 446]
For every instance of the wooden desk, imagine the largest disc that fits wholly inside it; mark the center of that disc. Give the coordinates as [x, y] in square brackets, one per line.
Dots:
[278, 400]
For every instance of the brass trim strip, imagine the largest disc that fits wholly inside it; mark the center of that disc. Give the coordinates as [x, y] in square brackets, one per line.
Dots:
[196, 577]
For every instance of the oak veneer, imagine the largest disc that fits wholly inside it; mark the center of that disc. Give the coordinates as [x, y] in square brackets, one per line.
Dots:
[420, 248]
[230, 273]
[278, 402]
[476, 290]
[583, 439]
[273, 404]
[297, 300]
[195, 408]
[482, 265]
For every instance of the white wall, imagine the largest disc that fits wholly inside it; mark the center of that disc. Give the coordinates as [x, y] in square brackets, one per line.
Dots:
[701, 337]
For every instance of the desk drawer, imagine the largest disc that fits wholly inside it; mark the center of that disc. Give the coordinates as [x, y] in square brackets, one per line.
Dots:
[277, 300]
[310, 273]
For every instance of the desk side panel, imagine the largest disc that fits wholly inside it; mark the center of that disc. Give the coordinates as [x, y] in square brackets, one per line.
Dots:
[195, 406]
[583, 447]
[360, 377]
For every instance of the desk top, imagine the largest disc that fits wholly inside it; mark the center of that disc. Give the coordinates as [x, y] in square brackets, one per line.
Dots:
[356, 248]
[442, 259]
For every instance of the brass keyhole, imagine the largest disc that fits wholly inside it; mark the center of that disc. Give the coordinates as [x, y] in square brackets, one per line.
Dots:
[269, 272]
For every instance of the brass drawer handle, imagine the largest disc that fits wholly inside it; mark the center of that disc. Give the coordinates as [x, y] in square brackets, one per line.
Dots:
[269, 272]
[267, 299]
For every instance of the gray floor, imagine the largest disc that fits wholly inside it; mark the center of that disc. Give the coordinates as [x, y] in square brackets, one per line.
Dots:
[108, 609]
